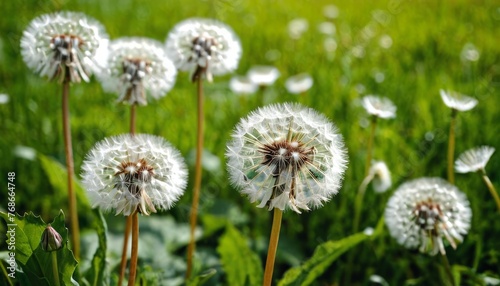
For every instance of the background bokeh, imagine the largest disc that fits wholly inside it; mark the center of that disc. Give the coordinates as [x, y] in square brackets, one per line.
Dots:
[401, 49]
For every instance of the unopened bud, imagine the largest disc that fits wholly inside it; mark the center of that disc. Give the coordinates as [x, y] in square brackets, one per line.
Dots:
[51, 239]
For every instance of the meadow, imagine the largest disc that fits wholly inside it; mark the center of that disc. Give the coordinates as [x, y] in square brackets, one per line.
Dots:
[405, 50]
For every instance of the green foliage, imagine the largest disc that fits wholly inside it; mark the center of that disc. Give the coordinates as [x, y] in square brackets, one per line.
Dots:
[97, 273]
[34, 261]
[241, 265]
[324, 255]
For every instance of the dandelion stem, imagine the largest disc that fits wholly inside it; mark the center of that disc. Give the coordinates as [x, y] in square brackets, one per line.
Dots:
[135, 249]
[68, 149]
[133, 113]
[128, 223]
[358, 201]
[197, 179]
[55, 269]
[273, 246]
[123, 262]
[369, 147]
[491, 188]
[7, 278]
[451, 147]
[448, 270]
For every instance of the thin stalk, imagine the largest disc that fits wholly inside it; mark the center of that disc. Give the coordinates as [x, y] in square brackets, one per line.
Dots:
[128, 223]
[448, 269]
[491, 188]
[358, 201]
[135, 249]
[7, 277]
[55, 269]
[369, 147]
[68, 149]
[273, 246]
[123, 262]
[451, 147]
[197, 180]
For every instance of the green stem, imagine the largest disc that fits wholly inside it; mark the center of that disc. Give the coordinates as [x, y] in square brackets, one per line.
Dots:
[369, 147]
[451, 147]
[273, 246]
[4, 271]
[55, 269]
[197, 180]
[491, 188]
[75, 228]
[448, 270]
[135, 249]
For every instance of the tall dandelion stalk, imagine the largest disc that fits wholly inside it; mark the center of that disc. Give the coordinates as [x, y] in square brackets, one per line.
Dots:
[285, 156]
[456, 102]
[428, 213]
[137, 68]
[475, 160]
[205, 47]
[132, 174]
[65, 47]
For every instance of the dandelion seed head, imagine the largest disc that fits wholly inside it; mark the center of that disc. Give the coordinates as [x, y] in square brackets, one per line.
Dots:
[263, 75]
[424, 212]
[297, 27]
[381, 176]
[474, 159]
[134, 173]
[204, 46]
[299, 83]
[137, 67]
[242, 85]
[286, 156]
[64, 45]
[379, 106]
[457, 101]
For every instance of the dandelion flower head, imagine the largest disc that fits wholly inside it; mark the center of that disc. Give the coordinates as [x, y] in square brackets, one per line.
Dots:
[204, 46]
[298, 84]
[263, 75]
[286, 156]
[64, 46]
[424, 212]
[457, 101]
[474, 160]
[379, 106]
[136, 67]
[128, 173]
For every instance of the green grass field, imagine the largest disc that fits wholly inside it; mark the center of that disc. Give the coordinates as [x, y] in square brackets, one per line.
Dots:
[426, 55]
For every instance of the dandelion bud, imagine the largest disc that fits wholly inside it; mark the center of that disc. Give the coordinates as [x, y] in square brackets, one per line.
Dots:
[51, 239]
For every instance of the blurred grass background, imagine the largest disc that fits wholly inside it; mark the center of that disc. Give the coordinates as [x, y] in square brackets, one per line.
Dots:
[428, 41]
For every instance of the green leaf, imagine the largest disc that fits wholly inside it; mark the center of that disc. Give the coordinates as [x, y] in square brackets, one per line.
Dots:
[202, 278]
[57, 176]
[241, 264]
[33, 260]
[324, 255]
[97, 275]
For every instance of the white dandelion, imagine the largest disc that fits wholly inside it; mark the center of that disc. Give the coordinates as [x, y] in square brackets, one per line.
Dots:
[137, 67]
[286, 156]
[424, 212]
[299, 83]
[203, 46]
[242, 85]
[297, 27]
[380, 176]
[64, 45]
[457, 101]
[381, 107]
[474, 160]
[128, 173]
[263, 75]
